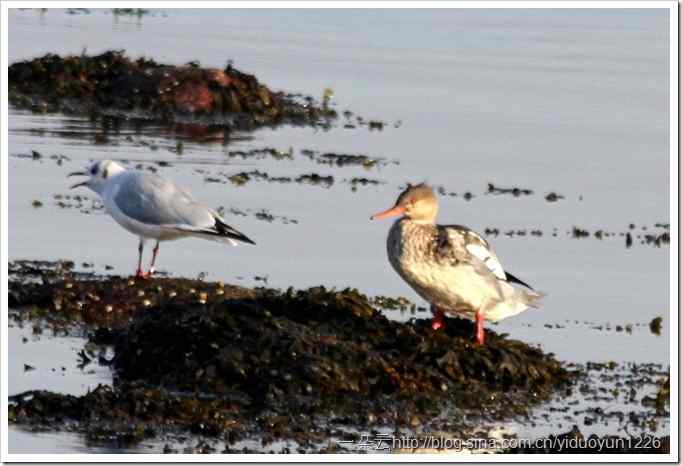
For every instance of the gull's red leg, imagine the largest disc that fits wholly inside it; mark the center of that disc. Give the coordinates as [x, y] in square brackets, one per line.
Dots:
[155, 253]
[438, 316]
[140, 248]
[480, 332]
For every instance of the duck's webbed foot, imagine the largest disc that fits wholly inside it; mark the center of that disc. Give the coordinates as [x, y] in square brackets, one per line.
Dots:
[438, 316]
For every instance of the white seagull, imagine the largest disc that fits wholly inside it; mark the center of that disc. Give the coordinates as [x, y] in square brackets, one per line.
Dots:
[450, 266]
[153, 207]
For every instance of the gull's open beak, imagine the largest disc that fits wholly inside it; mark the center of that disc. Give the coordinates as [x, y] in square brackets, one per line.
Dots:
[392, 212]
[82, 183]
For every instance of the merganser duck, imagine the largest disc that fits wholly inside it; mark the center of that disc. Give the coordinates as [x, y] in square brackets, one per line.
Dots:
[450, 266]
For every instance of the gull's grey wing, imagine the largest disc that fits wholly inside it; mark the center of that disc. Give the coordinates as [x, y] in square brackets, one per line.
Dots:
[154, 200]
[151, 199]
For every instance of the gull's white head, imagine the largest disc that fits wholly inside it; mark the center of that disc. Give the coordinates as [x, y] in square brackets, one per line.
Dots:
[99, 173]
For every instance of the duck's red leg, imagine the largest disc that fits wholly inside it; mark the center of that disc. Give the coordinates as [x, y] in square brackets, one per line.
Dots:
[480, 332]
[438, 316]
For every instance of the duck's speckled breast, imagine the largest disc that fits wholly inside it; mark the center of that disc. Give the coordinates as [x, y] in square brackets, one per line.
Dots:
[413, 252]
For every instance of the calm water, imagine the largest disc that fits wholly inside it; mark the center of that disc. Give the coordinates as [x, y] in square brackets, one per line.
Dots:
[571, 101]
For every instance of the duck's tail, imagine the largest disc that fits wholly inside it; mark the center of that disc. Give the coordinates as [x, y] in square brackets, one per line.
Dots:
[515, 301]
[528, 298]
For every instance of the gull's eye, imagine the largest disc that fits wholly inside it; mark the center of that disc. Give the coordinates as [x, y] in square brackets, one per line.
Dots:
[93, 170]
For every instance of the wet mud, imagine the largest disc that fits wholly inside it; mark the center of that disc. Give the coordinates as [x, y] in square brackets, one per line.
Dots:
[194, 357]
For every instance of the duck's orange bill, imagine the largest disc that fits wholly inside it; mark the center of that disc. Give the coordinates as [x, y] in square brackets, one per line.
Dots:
[392, 212]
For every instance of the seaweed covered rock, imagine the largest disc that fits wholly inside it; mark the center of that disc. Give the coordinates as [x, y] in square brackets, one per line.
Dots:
[53, 292]
[113, 84]
[286, 364]
[128, 413]
[318, 349]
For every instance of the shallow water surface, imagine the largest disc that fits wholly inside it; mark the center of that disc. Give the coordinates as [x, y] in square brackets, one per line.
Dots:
[567, 101]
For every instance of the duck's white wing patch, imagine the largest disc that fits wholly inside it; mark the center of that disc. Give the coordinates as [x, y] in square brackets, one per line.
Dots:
[477, 246]
[488, 257]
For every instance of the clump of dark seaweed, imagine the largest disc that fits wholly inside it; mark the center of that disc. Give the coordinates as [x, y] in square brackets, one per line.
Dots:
[276, 154]
[85, 204]
[261, 214]
[242, 178]
[516, 192]
[342, 160]
[553, 197]
[390, 303]
[362, 181]
[139, 12]
[325, 181]
[111, 83]
[656, 325]
[578, 232]
[315, 179]
[657, 240]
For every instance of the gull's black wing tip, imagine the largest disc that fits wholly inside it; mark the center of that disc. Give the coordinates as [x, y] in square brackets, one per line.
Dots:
[223, 229]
